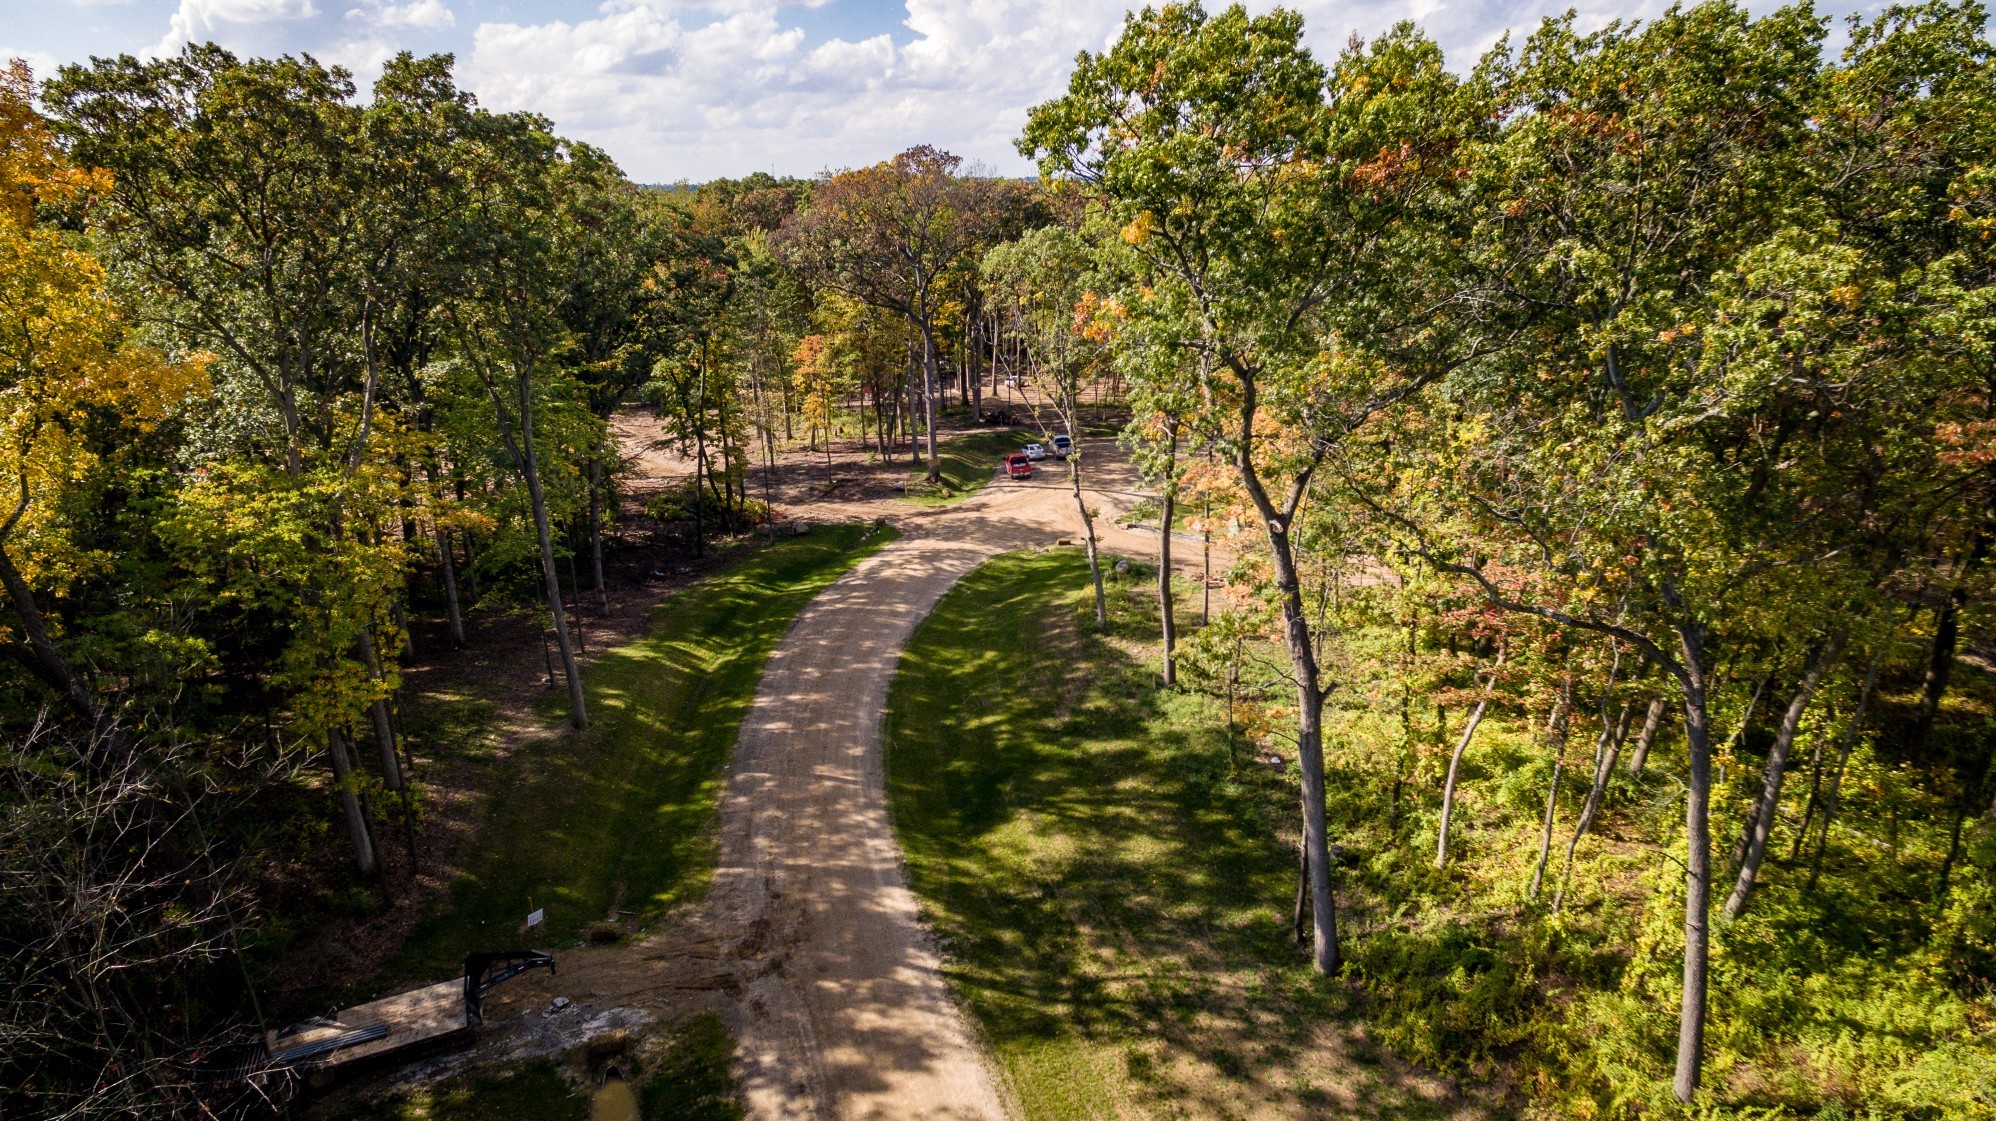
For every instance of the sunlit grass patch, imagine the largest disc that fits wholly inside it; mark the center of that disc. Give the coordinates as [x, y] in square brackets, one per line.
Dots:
[616, 822]
[1109, 884]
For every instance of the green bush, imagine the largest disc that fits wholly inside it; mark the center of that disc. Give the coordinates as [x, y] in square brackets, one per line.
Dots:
[678, 503]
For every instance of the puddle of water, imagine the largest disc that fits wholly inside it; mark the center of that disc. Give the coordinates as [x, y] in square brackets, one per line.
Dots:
[614, 1101]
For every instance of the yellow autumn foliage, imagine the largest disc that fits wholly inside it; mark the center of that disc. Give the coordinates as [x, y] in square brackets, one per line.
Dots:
[66, 361]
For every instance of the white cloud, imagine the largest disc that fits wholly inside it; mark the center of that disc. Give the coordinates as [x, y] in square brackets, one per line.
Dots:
[673, 98]
[201, 20]
[421, 15]
[360, 35]
[40, 63]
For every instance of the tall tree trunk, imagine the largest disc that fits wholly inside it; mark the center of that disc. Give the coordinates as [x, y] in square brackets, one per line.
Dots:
[1088, 537]
[698, 415]
[1455, 759]
[1639, 754]
[1556, 728]
[1166, 619]
[384, 730]
[596, 532]
[1697, 867]
[1833, 795]
[931, 389]
[973, 372]
[915, 405]
[43, 658]
[1760, 824]
[1953, 854]
[724, 492]
[1206, 562]
[1605, 750]
[1947, 636]
[1310, 759]
[448, 562]
[1325, 955]
[1299, 922]
[1940, 667]
[350, 803]
[470, 567]
[714, 486]
[529, 462]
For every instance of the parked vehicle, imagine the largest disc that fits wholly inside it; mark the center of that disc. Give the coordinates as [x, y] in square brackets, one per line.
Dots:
[1062, 444]
[1035, 452]
[1018, 466]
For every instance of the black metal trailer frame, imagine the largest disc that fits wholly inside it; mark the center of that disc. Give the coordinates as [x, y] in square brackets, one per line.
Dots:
[315, 1054]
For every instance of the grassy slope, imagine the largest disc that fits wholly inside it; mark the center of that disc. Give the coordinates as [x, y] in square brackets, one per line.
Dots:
[1110, 890]
[618, 818]
[968, 462]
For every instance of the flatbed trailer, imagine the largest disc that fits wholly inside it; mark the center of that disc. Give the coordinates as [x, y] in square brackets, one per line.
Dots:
[319, 1052]
[322, 1048]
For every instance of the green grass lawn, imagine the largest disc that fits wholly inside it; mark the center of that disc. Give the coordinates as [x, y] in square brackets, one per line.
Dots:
[1109, 886]
[619, 818]
[968, 462]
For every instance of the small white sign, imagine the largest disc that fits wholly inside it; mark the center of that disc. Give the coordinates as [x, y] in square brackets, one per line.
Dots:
[534, 920]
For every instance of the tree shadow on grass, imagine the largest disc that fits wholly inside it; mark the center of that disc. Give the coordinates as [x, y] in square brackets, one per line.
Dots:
[1110, 891]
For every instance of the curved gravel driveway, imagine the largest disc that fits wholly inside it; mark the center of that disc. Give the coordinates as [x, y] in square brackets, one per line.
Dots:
[844, 1012]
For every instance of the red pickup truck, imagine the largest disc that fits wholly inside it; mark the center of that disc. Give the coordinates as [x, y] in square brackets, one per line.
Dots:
[1018, 466]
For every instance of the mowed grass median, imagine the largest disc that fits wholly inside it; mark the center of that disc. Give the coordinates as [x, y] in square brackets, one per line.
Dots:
[1109, 886]
[617, 820]
[967, 463]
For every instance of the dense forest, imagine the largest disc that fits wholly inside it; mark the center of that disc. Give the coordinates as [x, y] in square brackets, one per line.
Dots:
[1619, 408]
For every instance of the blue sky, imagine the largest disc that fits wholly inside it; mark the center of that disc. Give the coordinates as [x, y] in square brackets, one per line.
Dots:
[693, 89]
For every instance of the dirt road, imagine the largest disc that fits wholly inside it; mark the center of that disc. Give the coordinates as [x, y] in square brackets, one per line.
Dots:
[809, 942]
[846, 1014]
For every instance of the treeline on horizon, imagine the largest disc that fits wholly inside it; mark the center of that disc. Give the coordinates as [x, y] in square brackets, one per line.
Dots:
[1631, 391]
